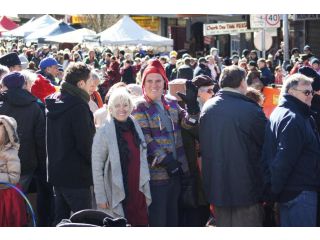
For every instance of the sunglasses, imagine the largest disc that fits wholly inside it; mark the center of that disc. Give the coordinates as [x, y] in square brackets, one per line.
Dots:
[306, 92]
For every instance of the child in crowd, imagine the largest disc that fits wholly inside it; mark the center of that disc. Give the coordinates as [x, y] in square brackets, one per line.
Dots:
[12, 207]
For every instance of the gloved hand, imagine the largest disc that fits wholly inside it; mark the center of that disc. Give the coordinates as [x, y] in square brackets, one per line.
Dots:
[190, 98]
[172, 166]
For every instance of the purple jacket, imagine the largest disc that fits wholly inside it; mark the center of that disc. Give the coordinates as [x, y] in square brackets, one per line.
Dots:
[158, 141]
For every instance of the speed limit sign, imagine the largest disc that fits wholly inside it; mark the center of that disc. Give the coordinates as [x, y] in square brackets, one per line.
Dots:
[272, 20]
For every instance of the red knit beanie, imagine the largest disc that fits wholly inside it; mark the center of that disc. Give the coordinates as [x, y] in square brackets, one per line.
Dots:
[42, 88]
[155, 66]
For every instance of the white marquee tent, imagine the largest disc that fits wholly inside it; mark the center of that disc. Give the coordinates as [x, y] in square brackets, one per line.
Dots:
[128, 32]
[76, 36]
[31, 26]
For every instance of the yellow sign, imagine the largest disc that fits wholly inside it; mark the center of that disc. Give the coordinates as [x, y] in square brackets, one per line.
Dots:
[78, 19]
[149, 23]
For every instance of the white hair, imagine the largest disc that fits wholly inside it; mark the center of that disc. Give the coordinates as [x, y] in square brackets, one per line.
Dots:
[120, 95]
[29, 76]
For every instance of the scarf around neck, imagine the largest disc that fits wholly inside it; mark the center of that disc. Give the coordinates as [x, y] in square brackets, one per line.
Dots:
[75, 91]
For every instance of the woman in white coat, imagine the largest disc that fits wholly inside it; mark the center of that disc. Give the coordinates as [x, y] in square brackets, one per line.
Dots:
[119, 163]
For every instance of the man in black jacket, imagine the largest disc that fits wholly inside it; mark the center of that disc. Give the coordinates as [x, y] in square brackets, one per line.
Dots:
[291, 154]
[18, 103]
[185, 71]
[231, 138]
[202, 68]
[70, 131]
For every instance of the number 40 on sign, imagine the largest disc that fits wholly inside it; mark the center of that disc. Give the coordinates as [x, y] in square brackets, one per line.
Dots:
[273, 20]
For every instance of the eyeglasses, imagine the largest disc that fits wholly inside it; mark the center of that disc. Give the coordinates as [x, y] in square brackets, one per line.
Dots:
[305, 92]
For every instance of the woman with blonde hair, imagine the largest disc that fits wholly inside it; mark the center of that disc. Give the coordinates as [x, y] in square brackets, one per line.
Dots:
[119, 163]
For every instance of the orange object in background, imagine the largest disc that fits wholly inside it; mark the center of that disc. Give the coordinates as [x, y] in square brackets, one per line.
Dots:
[271, 95]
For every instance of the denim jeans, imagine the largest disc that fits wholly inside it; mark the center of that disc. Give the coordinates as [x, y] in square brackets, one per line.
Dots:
[300, 211]
[163, 211]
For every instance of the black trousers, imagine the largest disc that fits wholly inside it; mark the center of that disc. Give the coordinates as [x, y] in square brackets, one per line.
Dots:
[45, 203]
[70, 199]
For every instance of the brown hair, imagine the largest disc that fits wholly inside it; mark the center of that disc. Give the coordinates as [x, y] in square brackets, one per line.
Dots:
[76, 72]
[232, 76]
[255, 95]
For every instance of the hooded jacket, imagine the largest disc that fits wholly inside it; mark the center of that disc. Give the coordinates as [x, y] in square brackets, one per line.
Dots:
[22, 106]
[70, 131]
[9, 160]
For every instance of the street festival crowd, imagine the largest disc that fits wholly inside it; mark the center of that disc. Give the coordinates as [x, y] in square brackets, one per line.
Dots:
[141, 139]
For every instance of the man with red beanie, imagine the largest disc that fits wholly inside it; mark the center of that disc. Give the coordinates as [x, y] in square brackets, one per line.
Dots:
[161, 120]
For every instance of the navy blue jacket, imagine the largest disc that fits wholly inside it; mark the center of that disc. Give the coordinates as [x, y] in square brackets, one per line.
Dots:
[291, 151]
[231, 139]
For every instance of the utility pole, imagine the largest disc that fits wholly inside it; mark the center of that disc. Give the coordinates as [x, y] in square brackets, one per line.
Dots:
[286, 56]
[263, 42]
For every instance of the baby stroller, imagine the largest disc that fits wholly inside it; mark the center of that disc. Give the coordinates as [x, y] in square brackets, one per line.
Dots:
[12, 208]
[92, 218]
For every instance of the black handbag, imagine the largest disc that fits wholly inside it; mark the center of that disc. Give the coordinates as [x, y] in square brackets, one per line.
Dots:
[188, 194]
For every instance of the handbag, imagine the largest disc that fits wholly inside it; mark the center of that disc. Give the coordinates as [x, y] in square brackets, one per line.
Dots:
[188, 194]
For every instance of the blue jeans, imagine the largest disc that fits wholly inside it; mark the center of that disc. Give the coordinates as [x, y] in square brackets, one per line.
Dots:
[300, 211]
[163, 211]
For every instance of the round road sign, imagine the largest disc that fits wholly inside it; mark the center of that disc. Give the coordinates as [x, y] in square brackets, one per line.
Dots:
[272, 19]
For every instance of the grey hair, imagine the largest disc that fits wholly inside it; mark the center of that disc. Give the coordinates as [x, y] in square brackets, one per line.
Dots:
[293, 81]
[120, 95]
[29, 76]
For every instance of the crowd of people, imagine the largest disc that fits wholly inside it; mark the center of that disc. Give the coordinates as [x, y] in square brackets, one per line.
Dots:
[159, 140]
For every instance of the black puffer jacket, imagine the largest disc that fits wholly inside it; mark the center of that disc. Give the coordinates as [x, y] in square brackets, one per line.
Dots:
[70, 131]
[23, 107]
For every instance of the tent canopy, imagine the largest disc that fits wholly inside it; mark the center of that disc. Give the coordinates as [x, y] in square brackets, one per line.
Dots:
[51, 30]
[128, 32]
[76, 36]
[31, 26]
[7, 24]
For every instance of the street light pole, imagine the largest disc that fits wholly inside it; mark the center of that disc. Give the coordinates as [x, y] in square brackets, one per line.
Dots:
[285, 40]
[263, 42]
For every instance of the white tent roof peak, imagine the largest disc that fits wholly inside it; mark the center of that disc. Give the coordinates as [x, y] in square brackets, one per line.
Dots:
[128, 32]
